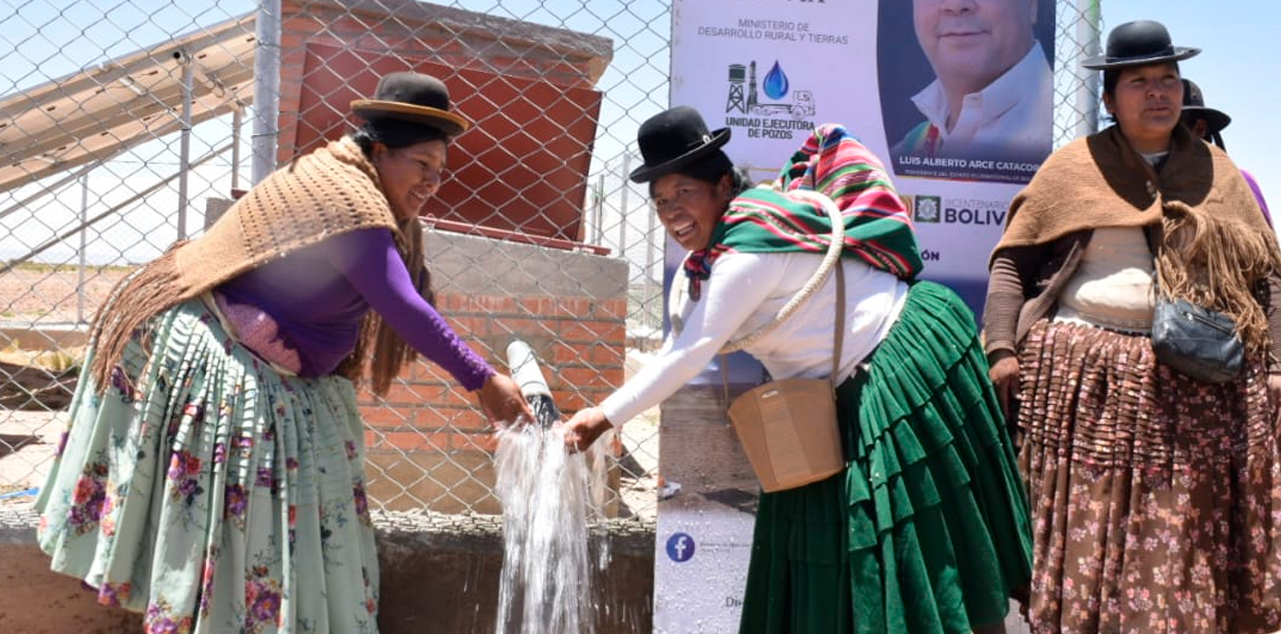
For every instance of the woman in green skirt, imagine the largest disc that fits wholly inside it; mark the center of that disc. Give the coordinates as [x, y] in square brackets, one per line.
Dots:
[926, 529]
[212, 476]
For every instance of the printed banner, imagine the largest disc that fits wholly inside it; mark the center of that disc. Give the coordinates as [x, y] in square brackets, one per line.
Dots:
[958, 105]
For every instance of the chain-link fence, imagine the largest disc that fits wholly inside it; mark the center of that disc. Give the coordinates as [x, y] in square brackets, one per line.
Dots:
[125, 126]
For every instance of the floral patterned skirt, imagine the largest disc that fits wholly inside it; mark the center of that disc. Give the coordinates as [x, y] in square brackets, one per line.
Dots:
[1156, 499]
[213, 494]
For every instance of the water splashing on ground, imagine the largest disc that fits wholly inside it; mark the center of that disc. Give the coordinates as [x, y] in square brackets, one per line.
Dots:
[548, 498]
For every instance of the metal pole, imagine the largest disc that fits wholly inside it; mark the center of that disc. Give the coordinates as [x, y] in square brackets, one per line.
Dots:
[266, 88]
[649, 247]
[1088, 26]
[598, 211]
[237, 122]
[622, 216]
[184, 158]
[84, 239]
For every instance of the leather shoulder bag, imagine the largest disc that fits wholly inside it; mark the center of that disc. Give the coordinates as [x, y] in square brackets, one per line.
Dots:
[789, 427]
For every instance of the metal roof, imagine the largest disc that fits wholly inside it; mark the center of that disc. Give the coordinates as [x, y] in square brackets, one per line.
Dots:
[96, 113]
[99, 112]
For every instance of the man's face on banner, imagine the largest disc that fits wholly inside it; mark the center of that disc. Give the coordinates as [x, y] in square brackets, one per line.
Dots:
[972, 42]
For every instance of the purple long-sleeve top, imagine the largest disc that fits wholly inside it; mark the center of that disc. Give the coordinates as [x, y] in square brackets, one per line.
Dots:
[1258, 194]
[319, 294]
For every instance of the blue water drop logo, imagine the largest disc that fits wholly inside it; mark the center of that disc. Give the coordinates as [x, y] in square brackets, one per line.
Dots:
[680, 547]
[776, 83]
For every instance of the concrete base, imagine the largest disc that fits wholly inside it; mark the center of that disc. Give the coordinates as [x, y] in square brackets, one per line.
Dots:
[439, 574]
[452, 586]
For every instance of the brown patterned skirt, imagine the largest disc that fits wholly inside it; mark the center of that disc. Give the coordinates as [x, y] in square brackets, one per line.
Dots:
[1156, 499]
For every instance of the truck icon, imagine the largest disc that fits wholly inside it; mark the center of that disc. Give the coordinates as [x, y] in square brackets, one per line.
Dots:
[802, 106]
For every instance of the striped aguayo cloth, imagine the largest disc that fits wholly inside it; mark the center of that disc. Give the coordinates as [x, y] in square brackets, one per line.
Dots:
[833, 162]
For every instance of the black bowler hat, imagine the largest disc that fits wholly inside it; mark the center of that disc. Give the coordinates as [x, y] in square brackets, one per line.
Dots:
[1139, 43]
[415, 97]
[672, 139]
[1194, 108]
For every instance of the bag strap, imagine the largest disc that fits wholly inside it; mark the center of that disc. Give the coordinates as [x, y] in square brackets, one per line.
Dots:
[838, 339]
[1156, 242]
[830, 258]
[838, 336]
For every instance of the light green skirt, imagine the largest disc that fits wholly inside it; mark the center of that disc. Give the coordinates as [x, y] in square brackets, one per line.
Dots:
[213, 494]
[927, 530]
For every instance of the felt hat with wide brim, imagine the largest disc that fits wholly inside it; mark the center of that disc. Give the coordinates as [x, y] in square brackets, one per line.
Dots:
[1194, 108]
[415, 97]
[1139, 43]
[672, 139]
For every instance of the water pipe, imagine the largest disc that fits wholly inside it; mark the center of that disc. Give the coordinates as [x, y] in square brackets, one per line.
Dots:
[526, 372]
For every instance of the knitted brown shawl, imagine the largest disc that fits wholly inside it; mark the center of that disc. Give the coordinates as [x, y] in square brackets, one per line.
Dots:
[323, 194]
[1217, 247]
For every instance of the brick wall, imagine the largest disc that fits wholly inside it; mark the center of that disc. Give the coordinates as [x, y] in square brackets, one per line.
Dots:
[428, 443]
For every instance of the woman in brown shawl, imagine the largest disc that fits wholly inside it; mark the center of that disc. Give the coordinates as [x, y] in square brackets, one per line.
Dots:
[1156, 498]
[212, 476]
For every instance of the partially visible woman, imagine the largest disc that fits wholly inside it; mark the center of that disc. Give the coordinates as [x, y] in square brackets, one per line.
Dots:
[1207, 124]
[1157, 497]
[926, 530]
[212, 476]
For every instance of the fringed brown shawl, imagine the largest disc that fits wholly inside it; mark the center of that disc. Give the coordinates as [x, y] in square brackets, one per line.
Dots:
[1217, 246]
[328, 192]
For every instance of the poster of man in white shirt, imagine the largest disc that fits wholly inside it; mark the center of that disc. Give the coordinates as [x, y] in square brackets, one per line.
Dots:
[981, 106]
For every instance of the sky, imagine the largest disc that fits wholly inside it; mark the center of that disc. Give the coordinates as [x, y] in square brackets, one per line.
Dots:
[1238, 70]
[45, 39]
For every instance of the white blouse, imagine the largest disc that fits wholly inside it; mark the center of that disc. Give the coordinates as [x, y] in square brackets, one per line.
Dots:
[743, 294]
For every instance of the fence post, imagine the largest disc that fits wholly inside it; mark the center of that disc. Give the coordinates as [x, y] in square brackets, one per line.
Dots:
[266, 88]
[84, 245]
[622, 225]
[1087, 90]
[184, 152]
[237, 122]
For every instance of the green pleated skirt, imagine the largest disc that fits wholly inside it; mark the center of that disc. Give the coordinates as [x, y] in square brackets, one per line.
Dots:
[927, 529]
[214, 494]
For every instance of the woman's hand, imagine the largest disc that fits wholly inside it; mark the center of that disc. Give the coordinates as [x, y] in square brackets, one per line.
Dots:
[502, 401]
[1274, 392]
[584, 428]
[1005, 377]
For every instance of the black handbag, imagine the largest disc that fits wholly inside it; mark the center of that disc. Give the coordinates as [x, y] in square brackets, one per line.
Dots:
[1196, 341]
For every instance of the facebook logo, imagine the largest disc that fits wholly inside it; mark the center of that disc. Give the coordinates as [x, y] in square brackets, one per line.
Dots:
[680, 547]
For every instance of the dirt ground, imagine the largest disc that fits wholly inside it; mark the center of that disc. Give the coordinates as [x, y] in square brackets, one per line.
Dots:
[49, 295]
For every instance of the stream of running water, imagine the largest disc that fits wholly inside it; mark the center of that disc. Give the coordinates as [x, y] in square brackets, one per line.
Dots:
[549, 498]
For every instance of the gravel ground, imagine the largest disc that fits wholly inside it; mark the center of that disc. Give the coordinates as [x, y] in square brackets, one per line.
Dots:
[27, 444]
[47, 295]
